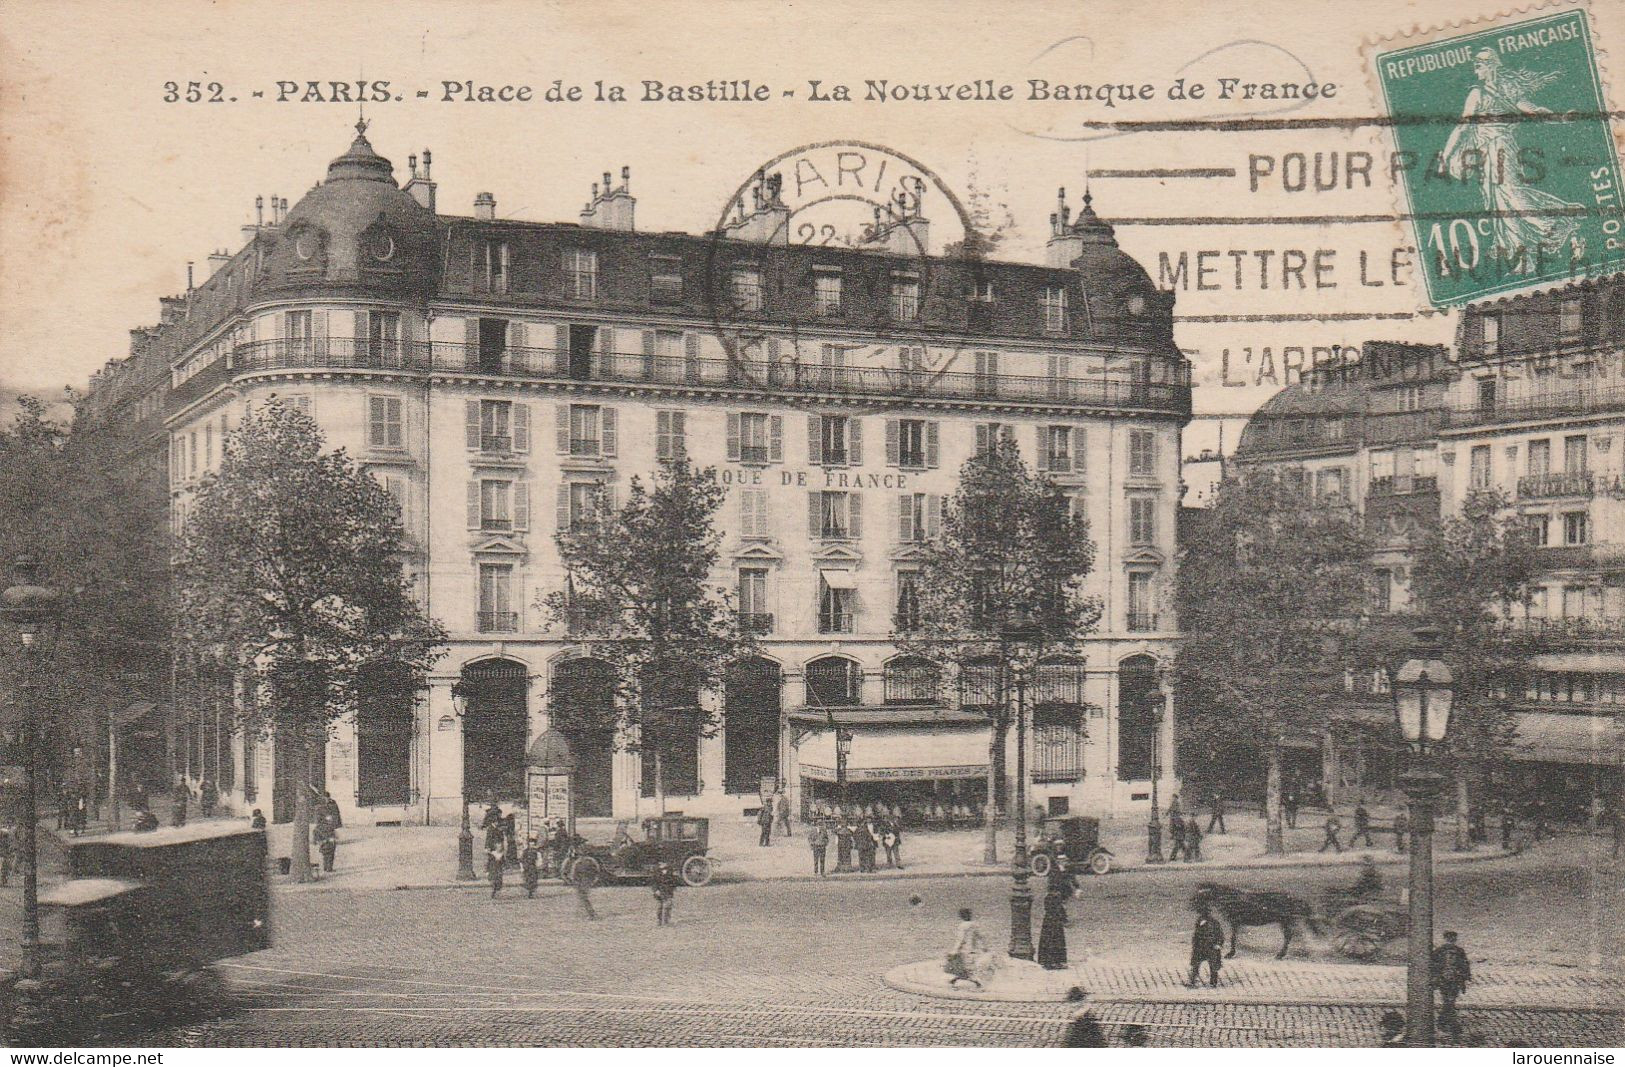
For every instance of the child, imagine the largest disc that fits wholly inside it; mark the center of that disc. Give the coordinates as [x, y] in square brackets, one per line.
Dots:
[665, 890]
[529, 866]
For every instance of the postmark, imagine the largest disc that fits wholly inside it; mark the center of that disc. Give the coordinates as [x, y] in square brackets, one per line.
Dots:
[821, 274]
[1507, 161]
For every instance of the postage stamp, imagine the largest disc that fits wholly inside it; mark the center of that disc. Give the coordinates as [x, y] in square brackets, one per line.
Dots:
[1504, 152]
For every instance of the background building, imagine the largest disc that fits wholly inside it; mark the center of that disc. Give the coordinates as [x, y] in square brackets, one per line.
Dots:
[494, 374]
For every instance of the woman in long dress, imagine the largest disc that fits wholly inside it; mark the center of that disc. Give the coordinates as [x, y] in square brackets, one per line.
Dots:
[970, 960]
[1528, 223]
[1058, 888]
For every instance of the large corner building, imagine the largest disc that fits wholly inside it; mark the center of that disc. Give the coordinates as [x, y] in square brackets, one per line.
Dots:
[493, 374]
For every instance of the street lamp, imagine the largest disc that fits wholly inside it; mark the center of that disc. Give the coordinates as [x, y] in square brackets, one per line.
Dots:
[465, 836]
[1153, 826]
[29, 606]
[1020, 628]
[1423, 695]
[843, 750]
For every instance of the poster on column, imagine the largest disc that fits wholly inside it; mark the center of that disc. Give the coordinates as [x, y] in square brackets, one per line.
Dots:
[547, 797]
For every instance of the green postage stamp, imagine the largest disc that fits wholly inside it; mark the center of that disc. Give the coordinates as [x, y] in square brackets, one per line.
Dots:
[1503, 146]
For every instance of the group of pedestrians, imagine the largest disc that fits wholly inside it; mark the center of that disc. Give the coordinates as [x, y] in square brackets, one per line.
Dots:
[324, 830]
[869, 838]
[1185, 832]
[542, 855]
[774, 816]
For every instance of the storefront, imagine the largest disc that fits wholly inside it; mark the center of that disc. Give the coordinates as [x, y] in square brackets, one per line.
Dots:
[923, 764]
[1568, 758]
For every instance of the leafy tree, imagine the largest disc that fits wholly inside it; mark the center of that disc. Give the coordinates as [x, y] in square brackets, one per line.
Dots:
[288, 570]
[1269, 585]
[1008, 538]
[640, 599]
[1469, 570]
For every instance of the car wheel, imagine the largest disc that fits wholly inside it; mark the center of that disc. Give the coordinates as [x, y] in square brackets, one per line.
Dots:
[1040, 864]
[697, 871]
[586, 871]
[1101, 862]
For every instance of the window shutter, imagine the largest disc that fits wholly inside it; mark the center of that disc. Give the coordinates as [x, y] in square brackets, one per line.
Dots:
[281, 326]
[1043, 448]
[471, 423]
[561, 347]
[747, 515]
[471, 341]
[773, 350]
[561, 515]
[854, 441]
[933, 515]
[648, 344]
[1156, 449]
[679, 433]
[474, 505]
[854, 515]
[733, 435]
[775, 438]
[691, 353]
[521, 427]
[521, 506]
[662, 435]
[815, 514]
[983, 446]
[932, 453]
[1080, 446]
[892, 449]
[561, 429]
[606, 349]
[608, 415]
[516, 338]
[360, 334]
[905, 517]
[815, 439]
[319, 331]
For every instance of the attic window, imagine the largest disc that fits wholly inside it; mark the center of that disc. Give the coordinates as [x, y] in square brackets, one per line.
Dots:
[666, 279]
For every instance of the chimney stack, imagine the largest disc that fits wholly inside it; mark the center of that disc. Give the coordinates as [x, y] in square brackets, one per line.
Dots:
[218, 259]
[419, 187]
[611, 207]
[485, 207]
[189, 285]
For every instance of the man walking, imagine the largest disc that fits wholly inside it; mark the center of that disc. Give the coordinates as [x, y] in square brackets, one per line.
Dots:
[891, 838]
[1207, 946]
[764, 819]
[530, 866]
[1217, 817]
[1402, 829]
[178, 799]
[664, 885]
[1176, 834]
[1193, 839]
[1362, 825]
[1289, 805]
[1332, 828]
[781, 808]
[1451, 973]
[818, 840]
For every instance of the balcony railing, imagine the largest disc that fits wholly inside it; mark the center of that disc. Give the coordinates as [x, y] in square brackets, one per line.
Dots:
[499, 622]
[753, 453]
[1546, 486]
[1547, 405]
[1395, 485]
[496, 443]
[756, 622]
[1563, 630]
[754, 374]
[837, 622]
[1057, 752]
[1140, 622]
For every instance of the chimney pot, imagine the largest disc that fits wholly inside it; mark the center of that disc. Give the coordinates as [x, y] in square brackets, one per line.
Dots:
[485, 207]
[412, 164]
[626, 178]
[427, 159]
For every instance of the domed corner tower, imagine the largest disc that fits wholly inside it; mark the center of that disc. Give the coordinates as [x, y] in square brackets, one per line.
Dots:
[358, 228]
[1122, 299]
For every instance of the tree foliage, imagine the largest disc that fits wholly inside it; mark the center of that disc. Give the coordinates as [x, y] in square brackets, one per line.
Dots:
[641, 598]
[1270, 585]
[288, 571]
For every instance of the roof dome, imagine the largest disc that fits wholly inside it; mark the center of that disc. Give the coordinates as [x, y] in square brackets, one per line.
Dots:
[552, 750]
[1105, 265]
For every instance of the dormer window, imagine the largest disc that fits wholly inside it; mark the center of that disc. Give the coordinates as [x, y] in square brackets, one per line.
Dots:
[581, 274]
[490, 267]
[1053, 302]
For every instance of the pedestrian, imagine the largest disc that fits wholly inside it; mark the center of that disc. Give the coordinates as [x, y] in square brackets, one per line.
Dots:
[844, 834]
[1393, 1029]
[80, 816]
[1058, 888]
[530, 865]
[257, 820]
[145, 823]
[1451, 973]
[138, 797]
[1176, 833]
[177, 801]
[1193, 839]
[6, 853]
[764, 820]
[1332, 827]
[208, 795]
[492, 818]
[1369, 884]
[868, 844]
[494, 855]
[1207, 946]
[510, 840]
[1289, 804]
[1362, 824]
[1135, 1036]
[970, 960]
[1085, 1030]
[664, 884]
[891, 838]
[1216, 806]
[329, 848]
[1402, 829]
[818, 841]
[781, 809]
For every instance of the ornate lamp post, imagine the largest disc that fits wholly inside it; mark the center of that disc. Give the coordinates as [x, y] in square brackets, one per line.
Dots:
[465, 835]
[30, 607]
[1423, 694]
[1020, 628]
[843, 750]
[1153, 826]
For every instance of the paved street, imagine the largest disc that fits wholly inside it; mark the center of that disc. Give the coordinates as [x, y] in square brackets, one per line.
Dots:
[793, 963]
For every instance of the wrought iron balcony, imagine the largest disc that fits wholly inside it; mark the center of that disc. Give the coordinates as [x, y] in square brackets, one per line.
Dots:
[499, 622]
[1392, 485]
[747, 372]
[1140, 622]
[1547, 405]
[496, 443]
[1561, 631]
[835, 622]
[756, 622]
[1548, 486]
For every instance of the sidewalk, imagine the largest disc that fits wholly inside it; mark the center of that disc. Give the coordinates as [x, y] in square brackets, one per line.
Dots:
[1160, 978]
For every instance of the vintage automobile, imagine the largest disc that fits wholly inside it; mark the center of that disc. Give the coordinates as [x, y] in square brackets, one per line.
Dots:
[681, 841]
[1077, 837]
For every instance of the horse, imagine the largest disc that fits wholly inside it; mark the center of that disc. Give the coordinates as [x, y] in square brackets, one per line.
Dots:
[1256, 907]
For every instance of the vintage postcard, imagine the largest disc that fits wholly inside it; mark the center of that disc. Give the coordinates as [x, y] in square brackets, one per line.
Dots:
[781, 525]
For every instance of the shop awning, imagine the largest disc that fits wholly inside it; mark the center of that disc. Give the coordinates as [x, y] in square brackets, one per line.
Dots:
[839, 579]
[1546, 737]
[920, 752]
[880, 716]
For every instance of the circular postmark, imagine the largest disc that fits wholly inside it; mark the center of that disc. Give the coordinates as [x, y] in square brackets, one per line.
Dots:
[820, 276]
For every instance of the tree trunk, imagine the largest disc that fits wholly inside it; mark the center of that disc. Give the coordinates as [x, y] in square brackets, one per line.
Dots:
[1273, 838]
[990, 816]
[1464, 841]
[660, 781]
[300, 849]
